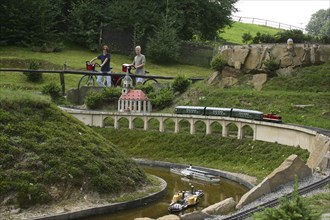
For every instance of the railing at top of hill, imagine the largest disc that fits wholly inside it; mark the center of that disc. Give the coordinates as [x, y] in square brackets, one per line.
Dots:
[97, 73]
[265, 22]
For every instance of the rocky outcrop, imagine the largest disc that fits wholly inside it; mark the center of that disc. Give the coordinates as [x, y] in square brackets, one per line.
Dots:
[320, 152]
[169, 217]
[285, 173]
[196, 215]
[252, 56]
[221, 208]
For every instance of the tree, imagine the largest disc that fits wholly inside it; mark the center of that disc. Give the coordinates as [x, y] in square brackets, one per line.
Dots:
[30, 22]
[85, 21]
[200, 17]
[319, 24]
[164, 46]
[191, 17]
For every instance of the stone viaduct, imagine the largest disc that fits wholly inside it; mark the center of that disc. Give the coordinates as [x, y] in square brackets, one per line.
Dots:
[292, 135]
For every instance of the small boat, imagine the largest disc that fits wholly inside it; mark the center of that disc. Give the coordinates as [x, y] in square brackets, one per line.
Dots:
[185, 199]
[196, 174]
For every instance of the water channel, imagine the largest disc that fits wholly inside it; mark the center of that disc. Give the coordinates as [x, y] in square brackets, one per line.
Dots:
[213, 194]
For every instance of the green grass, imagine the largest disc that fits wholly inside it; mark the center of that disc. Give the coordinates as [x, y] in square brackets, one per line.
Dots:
[234, 34]
[75, 58]
[243, 156]
[319, 203]
[42, 147]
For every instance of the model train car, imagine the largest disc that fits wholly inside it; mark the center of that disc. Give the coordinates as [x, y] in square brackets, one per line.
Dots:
[228, 112]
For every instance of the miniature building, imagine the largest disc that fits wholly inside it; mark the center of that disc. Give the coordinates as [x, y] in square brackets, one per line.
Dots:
[132, 100]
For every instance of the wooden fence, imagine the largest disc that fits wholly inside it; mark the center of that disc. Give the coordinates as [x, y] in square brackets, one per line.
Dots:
[268, 23]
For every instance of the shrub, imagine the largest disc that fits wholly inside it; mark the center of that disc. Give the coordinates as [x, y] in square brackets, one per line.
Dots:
[94, 100]
[33, 76]
[218, 63]
[297, 36]
[111, 94]
[294, 209]
[53, 90]
[271, 65]
[180, 84]
[147, 88]
[246, 38]
[162, 99]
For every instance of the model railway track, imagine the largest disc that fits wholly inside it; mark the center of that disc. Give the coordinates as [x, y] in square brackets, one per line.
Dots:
[275, 202]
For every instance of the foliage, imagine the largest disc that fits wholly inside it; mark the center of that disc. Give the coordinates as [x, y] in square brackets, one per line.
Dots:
[164, 46]
[199, 17]
[254, 158]
[85, 20]
[38, 23]
[41, 147]
[162, 98]
[319, 24]
[218, 63]
[44, 24]
[33, 76]
[271, 66]
[313, 79]
[246, 38]
[94, 100]
[263, 38]
[52, 89]
[294, 209]
[296, 35]
[319, 203]
[234, 33]
[180, 84]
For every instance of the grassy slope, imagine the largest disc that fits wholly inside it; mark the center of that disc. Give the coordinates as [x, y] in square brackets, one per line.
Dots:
[234, 34]
[75, 58]
[243, 156]
[40, 147]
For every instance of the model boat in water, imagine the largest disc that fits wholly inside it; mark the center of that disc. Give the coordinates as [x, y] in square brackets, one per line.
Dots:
[185, 199]
[194, 173]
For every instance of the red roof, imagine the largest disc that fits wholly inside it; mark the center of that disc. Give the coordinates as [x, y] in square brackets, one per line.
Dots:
[134, 95]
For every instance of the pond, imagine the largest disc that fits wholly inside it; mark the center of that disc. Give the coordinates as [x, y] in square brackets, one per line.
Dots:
[213, 194]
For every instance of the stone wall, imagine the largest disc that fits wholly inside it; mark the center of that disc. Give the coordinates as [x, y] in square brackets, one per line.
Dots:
[251, 57]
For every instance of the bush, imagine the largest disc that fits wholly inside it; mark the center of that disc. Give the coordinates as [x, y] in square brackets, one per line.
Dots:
[111, 94]
[180, 84]
[297, 36]
[34, 76]
[246, 38]
[218, 63]
[271, 65]
[94, 100]
[53, 90]
[294, 209]
[147, 88]
[162, 99]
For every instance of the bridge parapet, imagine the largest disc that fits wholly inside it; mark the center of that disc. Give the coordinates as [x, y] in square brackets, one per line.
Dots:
[286, 134]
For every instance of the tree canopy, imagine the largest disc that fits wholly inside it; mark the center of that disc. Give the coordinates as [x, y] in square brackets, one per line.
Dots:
[35, 22]
[319, 24]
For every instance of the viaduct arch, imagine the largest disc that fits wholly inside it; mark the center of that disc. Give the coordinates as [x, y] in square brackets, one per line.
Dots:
[316, 143]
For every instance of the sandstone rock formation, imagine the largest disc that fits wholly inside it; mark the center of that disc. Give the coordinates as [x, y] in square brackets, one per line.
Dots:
[252, 56]
[285, 173]
[221, 208]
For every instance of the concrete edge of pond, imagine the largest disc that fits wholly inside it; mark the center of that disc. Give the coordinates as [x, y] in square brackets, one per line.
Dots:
[228, 175]
[111, 208]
